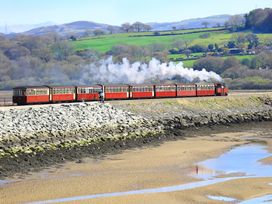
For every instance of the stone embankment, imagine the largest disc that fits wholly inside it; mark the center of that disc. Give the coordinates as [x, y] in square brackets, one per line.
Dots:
[37, 129]
[32, 132]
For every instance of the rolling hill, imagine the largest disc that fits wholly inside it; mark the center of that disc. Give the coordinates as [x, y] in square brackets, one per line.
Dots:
[191, 23]
[79, 27]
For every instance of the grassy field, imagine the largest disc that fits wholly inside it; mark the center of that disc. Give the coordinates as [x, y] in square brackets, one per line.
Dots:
[106, 42]
[190, 63]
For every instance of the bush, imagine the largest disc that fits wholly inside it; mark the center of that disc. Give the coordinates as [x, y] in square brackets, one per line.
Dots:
[210, 64]
[198, 48]
[157, 33]
[205, 35]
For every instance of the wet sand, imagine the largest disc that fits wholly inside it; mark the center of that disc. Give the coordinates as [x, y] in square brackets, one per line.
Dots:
[242, 189]
[171, 163]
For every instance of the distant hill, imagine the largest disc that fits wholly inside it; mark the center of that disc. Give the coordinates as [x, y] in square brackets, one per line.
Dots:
[191, 23]
[77, 28]
[7, 29]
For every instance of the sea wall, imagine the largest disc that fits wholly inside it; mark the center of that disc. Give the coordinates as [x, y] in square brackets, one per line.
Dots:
[38, 129]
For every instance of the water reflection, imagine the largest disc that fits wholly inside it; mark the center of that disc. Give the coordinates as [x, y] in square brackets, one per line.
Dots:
[242, 160]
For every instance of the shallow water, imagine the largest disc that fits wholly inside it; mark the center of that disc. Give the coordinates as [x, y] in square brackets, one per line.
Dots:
[264, 199]
[243, 160]
[221, 198]
[3, 182]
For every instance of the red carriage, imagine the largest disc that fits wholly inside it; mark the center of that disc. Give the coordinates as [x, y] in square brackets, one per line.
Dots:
[166, 91]
[88, 93]
[116, 92]
[142, 91]
[54, 94]
[31, 95]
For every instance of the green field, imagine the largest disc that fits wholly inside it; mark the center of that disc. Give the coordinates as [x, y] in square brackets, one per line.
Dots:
[190, 63]
[106, 42]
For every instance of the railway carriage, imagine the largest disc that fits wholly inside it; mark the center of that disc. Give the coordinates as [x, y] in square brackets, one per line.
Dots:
[62, 93]
[205, 89]
[116, 92]
[88, 93]
[31, 95]
[165, 91]
[142, 91]
[186, 90]
[53, 94]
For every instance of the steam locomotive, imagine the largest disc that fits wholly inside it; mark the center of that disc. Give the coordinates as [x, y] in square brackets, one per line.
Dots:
[55, 94]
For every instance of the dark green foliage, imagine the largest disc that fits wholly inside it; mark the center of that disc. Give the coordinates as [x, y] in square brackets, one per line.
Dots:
[198, 48]
[231, 44]
[259, 20]
[205, 35]
[157, 33]
[211, 47]
[210, 64]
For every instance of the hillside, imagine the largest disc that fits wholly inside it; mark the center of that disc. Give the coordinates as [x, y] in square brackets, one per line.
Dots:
[106, 42]
[78, 27]
[191, 23]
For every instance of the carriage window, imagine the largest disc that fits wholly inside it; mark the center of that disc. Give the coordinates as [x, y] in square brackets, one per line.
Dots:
[30, 92]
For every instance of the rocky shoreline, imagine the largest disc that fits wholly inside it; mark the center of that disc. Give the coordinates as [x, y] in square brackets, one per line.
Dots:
[39, 136]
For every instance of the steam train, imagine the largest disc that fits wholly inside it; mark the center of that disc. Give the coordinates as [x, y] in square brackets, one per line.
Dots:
[55, 94]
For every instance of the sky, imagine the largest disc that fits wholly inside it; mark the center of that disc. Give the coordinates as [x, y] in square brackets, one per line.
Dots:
[116, 12]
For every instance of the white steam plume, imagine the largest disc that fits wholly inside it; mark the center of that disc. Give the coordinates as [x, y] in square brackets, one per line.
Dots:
[106, 71]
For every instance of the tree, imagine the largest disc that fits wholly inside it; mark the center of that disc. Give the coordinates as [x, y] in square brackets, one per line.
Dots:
[61, 50]
[16, 52]
[211, 47]
[179, 44]
[239, 38]
[138, 26]
[209, 63]
[174, 28]
[226, 24]
[198, 48]
[98, 32]
[157, 33]
[187, 52]
[259, 20]
[126, 27]
[216, 47]
[73, 38]
[147, 27]
[230, 62]
[111, 29]
[236, 22]
[205, 24]
[231, 44]
[253, 40]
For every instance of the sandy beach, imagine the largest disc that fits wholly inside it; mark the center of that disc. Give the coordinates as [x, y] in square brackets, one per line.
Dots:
[171, 163]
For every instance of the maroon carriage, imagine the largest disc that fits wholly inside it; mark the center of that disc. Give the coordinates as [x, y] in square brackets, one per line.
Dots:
[30, 95]
[62, 93]
[205, 89]
[88, 93]
[166, 91]
[186, 90]
[142, 91]
[112, 92]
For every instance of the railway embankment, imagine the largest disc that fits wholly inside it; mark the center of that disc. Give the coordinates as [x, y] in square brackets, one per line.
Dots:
[43, 135]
